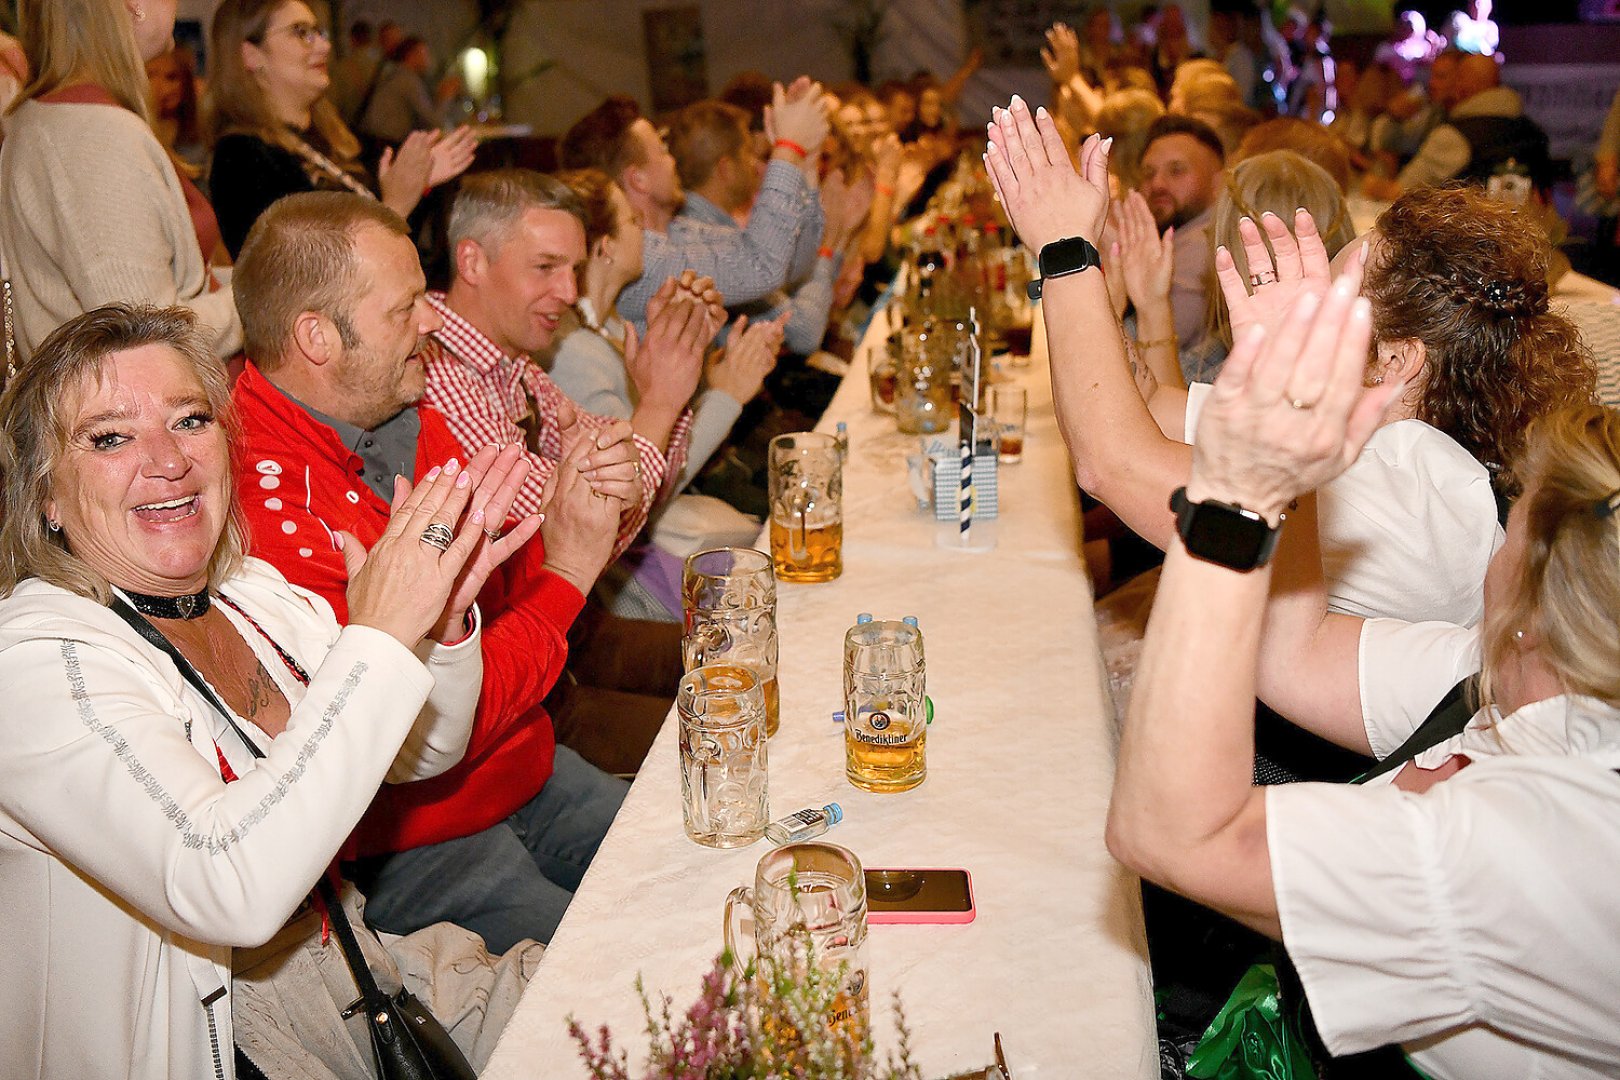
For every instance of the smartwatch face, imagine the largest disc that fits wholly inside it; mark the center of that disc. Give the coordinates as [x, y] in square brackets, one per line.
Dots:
[1228, 538]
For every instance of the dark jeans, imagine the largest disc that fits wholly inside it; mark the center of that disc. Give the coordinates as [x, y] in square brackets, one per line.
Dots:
[513, 880]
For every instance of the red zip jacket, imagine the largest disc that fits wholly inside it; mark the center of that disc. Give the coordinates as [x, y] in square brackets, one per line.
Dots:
[299, 485]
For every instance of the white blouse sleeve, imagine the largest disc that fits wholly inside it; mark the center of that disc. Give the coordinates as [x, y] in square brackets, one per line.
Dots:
[100, 769]
[439, 737]
[1404, 670]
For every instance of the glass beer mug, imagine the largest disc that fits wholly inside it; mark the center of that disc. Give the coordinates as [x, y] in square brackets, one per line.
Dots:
[922, 403]
[807, 517]
[807, 904]
[730, 599]
[885, 707]
[724, 799]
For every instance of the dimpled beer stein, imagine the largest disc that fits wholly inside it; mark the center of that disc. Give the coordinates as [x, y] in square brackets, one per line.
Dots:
[808, 904]
[722, 735]
[807, 517]
[885, 707]
[730, 597]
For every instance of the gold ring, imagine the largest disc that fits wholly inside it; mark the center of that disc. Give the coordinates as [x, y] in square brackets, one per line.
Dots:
[493, 534]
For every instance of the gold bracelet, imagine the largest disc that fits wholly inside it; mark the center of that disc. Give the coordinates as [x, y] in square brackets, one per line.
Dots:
[1173, 341]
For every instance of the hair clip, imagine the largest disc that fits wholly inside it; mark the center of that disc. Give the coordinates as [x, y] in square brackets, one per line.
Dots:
[1608, 506]
[1495, 292]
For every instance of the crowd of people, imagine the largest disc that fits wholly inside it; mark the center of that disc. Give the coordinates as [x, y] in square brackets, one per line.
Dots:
[313, 572]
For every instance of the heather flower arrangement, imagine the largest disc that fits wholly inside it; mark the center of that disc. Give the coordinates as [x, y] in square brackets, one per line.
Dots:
[760, 1024]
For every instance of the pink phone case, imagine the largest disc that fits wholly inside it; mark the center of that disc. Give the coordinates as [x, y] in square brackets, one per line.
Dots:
[877, 918]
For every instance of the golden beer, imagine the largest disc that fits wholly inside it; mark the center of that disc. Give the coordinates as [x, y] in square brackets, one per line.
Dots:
[885, 751]
[773, 707]
[807, 554]
[885, 706]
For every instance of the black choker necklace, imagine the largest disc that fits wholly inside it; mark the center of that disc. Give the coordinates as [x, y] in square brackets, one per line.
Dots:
[192, 606]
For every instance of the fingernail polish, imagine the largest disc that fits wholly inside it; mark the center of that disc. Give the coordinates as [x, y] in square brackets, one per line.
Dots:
[477, 517]
[463, 480]
[433, 474]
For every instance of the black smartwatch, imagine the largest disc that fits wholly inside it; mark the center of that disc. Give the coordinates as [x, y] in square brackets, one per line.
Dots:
[1222, 533]
[1067, 256]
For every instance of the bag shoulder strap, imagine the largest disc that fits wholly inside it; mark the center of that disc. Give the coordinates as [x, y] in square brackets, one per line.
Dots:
[363, 980]
[1446, 719]
[338, 918]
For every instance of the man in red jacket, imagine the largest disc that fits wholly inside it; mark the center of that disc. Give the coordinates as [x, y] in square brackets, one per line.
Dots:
[334, 308]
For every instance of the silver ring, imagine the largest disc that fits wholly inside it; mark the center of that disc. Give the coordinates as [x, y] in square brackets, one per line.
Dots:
[1295, 403]
[438, 535]
[1264, 277]
[494, 535]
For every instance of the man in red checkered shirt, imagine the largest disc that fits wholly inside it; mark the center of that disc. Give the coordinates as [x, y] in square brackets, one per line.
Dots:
[334, 309]
[517, 239]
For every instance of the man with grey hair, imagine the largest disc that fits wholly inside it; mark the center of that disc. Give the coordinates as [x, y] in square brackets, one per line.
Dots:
[328, 400]
[517, 240]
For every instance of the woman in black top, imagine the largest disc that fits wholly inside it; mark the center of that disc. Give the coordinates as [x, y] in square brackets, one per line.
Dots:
[275, 133]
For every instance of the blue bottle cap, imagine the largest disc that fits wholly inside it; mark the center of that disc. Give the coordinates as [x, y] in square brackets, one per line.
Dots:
[835, 813]
[863, 618]
[911, 621]
[838, 717]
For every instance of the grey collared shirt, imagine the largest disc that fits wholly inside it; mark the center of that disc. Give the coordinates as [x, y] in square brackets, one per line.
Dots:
[388, 450]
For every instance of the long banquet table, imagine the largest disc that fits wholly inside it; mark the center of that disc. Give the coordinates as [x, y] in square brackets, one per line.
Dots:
[1020, 759]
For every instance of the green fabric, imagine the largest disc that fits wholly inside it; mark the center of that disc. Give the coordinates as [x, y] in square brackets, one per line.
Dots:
[1250, 1038]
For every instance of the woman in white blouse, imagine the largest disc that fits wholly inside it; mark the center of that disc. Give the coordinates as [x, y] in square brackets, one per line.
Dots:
[143, 832]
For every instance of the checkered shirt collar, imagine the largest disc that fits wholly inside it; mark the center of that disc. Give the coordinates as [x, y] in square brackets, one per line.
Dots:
[470, 346]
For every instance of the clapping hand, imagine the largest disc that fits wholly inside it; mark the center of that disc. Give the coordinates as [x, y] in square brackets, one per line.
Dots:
[422, 574]
[581, 523]
[402, 173]
[798, 114]
[1289, 411]
[452, 155]
[1036, 182]
[1061, 54]
[609, 459]
[683, 316]
[750, 354]
[1301, 266]
[491, 503]
[1146, 259]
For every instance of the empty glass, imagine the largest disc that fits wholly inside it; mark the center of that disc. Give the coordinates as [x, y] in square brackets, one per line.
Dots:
[807, 904]
[723, 789]
[922, 402]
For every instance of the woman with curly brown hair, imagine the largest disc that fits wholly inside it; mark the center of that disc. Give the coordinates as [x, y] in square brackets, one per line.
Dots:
[1458, 284]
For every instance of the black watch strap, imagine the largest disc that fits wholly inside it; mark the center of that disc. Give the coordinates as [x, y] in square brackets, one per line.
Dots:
[1067, 256]
[1223, 533]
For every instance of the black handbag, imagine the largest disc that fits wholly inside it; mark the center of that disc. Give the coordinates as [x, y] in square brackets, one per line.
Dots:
[408, 1041]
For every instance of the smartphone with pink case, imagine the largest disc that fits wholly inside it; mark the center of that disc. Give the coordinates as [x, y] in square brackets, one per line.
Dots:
[919, 895]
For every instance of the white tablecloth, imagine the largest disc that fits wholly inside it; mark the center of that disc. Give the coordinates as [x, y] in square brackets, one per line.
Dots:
[1020, 760]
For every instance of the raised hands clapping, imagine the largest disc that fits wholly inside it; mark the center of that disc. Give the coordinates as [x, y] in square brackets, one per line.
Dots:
[1045, 198]
[1300, 266]
[1289, 411]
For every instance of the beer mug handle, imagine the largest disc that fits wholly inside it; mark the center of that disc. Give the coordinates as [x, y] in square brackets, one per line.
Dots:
[742, 896]
[799, 538]
[703, 642]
